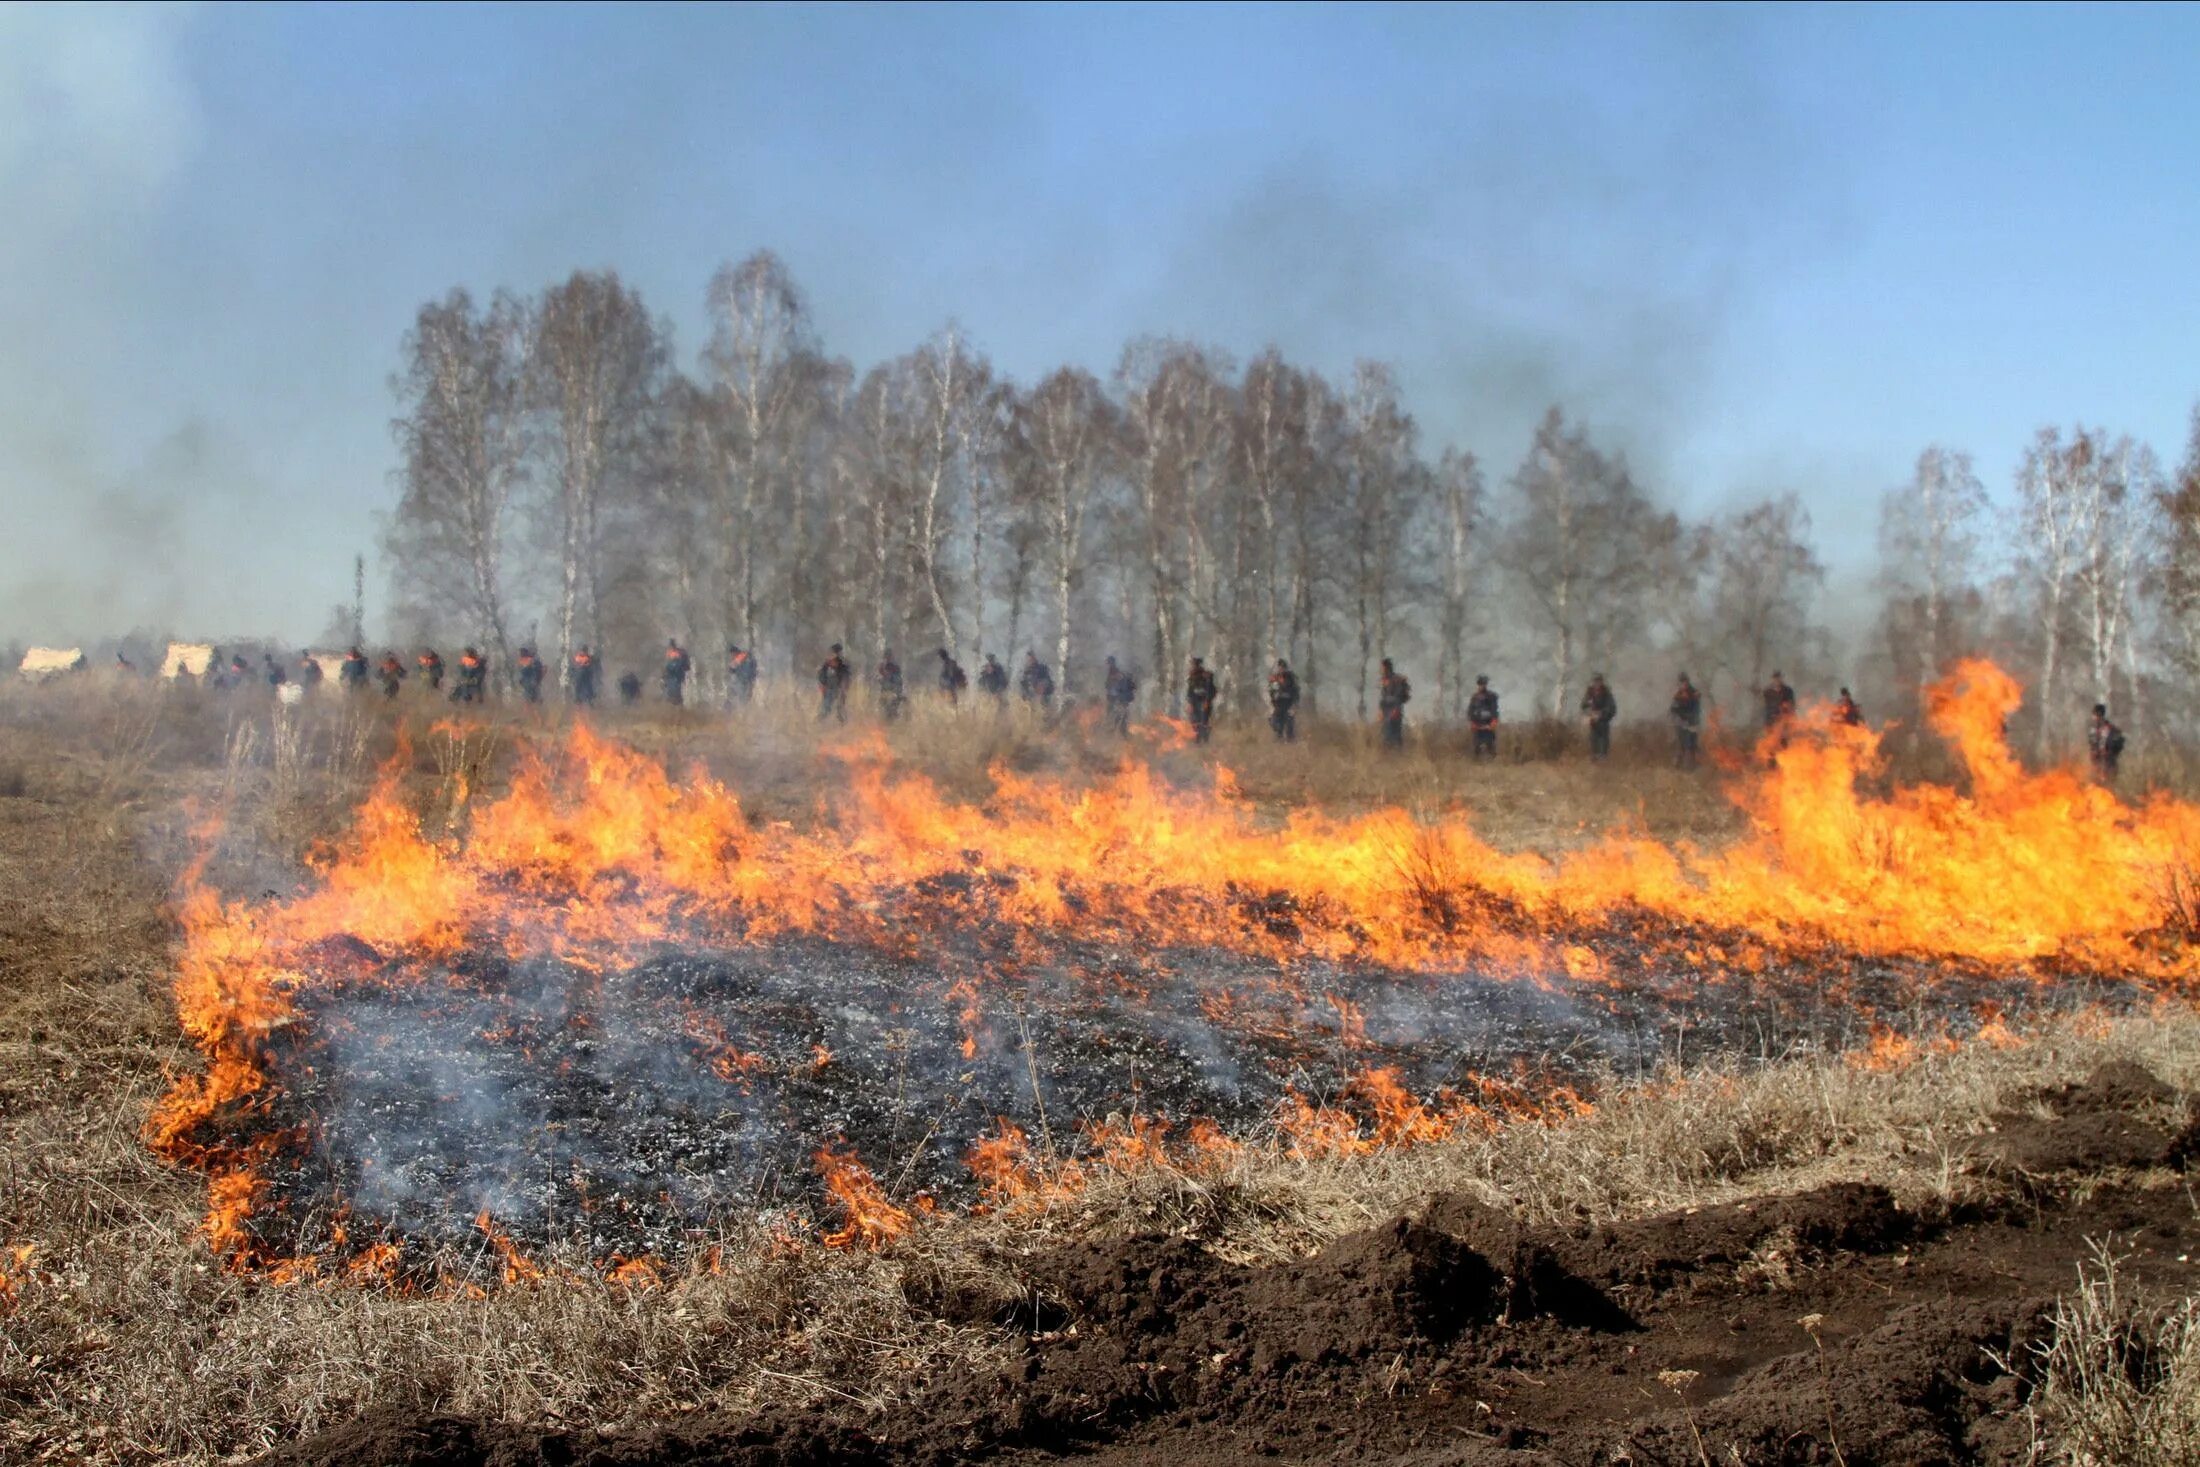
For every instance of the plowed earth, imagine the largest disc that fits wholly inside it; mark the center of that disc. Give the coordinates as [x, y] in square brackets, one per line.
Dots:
[1457, 1334]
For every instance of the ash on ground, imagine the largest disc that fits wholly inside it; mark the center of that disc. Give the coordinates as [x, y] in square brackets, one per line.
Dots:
[632, 1113]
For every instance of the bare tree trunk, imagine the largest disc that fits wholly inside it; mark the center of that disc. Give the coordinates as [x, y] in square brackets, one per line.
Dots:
[1562, 653]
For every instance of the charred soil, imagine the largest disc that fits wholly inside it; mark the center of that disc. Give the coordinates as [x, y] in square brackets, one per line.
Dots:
[1831, 1325]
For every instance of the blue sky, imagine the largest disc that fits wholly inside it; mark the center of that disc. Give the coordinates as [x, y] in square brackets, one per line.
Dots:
[1762, 249]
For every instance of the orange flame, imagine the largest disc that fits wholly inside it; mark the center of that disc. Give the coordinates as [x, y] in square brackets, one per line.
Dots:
[595, 855]
[872, 1220]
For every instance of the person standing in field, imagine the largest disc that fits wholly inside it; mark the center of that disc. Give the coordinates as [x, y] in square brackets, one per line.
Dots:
[1779, 702]
[993, 681]
[1391, 697]
[473, 678]
[309, 671]
[1035, 684]
[1199, 700]
[677, 667]
[431, 669]
[1846, 714]
[2104, 744]
[1122, 691]
[1598, 709]
[1283, 703]
[530, 675]
[952, 678]
[352, 674]
[832, 686]
[1687, 715]
[888, 681]
[740, 674]
[581, 674]
[1482, 719]
[391, 672]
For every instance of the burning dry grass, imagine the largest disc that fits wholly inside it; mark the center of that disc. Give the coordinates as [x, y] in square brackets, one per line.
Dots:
[123, 1340]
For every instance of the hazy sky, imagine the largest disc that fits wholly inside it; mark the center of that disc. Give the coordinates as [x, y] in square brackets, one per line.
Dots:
[1761, 249]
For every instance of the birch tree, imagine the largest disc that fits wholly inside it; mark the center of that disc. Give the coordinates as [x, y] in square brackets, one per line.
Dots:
[2058, 490]
[1573, 544]
[1928, 552]
[877, 468]
[596, 364]
[952, 380]
[1178, 422]
[763, 362]
[1274, 459]
[1378, 467]
[1070, 429]
[2125, 491]
[2179, 508]
[1764, 577]
[1461, 499]
[462, 449]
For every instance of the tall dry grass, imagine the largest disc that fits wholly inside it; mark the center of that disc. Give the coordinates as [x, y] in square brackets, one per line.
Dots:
[2119, 1378]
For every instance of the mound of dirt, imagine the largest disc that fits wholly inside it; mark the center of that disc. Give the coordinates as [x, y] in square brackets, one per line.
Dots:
[2102, 1122]
[1822, 1326]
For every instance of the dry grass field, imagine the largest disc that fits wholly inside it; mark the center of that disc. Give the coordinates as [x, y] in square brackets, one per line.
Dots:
[123, 1339]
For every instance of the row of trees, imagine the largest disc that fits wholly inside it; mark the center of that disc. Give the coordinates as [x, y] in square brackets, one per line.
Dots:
[563, 479]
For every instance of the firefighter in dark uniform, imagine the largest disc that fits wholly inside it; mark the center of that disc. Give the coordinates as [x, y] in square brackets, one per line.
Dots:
[1122, 690]
[431, 668]
[1199, 700]
[272, 670]
[952, 678]
[1779, 701]
[832, 686]
[889, 687]
[309, 672]
[530, 675]
[352, 674]
[630, 687]
[1035, 684]
[391, 672]
[473, 678]
[1846, 713]
[1391, 697]
[677, 667]
[2104, 742]
[1482, 719]
[1283, 703]
[993, 679]
[581, 673]
[1687, 715]
[740, 673]
[1598, 709]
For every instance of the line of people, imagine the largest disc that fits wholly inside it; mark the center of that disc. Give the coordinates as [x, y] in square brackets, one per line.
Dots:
[1598, 709]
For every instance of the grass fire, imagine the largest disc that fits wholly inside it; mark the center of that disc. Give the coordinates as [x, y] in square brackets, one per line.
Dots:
[805, 737]
[778, 1065]
[606, 1008]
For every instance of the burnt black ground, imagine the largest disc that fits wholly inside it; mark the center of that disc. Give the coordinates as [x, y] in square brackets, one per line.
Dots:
[632, 1112]
[1458, 1335]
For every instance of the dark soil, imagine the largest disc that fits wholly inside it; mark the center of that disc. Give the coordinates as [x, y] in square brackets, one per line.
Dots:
[1460, 1335]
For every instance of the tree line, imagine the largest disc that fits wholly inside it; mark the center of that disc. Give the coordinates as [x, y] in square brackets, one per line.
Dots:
[564, 480]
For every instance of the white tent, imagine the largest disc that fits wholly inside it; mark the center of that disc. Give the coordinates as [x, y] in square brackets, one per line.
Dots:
[187, 659]
[41, 663]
